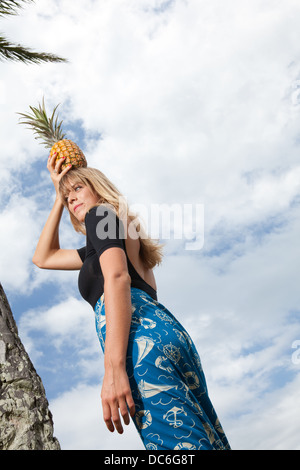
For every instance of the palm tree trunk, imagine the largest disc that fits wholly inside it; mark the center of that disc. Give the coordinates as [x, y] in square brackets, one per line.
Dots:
[25, 419]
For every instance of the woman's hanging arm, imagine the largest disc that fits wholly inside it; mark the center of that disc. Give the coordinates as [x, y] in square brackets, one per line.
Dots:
[116, 393]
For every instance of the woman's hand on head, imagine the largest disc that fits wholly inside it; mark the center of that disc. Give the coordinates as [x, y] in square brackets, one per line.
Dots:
[56, 173]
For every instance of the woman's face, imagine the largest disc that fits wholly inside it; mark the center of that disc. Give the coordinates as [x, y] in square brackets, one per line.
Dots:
[80, 199]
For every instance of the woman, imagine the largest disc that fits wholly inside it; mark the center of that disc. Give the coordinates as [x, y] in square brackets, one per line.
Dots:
[152, 369]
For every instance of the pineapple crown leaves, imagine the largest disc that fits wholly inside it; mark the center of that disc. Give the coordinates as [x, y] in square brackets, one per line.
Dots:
[46, 128]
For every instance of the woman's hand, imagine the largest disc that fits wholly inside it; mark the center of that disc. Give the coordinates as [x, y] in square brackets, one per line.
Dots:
[55, 170]
[116, 396]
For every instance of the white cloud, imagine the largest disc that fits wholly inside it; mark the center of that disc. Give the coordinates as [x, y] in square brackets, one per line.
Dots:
[65, 324]
[196, 103]
[271, 424]
[17, 234]
[79, 425]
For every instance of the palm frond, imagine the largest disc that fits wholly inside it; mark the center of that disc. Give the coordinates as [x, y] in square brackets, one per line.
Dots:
[16, 52]
[10, 7]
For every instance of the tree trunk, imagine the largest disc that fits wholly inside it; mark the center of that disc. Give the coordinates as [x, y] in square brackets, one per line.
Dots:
[25, 419]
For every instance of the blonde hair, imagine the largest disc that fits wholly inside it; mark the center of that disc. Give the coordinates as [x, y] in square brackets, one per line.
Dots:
[99, 184]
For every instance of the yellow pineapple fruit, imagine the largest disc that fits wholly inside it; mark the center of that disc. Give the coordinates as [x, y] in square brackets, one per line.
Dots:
[49, 131]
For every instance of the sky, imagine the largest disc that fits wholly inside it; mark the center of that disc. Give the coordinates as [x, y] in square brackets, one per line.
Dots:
[177, 102]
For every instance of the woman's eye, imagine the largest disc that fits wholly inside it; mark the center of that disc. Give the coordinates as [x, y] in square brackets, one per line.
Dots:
[77, 187]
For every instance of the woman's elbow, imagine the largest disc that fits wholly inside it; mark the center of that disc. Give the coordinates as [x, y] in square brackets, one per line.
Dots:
[37, 262]
[119, 277]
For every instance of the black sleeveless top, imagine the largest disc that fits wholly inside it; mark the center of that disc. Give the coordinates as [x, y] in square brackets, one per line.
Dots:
[103, 230]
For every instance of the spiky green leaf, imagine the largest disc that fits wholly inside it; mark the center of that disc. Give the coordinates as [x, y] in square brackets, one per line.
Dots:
[47, 129]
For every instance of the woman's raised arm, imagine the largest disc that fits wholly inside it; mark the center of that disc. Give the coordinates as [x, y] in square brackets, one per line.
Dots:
[48, 254]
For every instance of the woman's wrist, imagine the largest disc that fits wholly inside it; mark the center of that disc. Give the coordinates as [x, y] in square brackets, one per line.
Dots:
[58, 200]
[113, 361]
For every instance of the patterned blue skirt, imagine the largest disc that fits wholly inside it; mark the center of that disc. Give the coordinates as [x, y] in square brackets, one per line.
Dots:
[173, 410]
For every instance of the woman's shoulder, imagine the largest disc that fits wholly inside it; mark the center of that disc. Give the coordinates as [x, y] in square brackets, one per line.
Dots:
[102, 220]
[100, 211]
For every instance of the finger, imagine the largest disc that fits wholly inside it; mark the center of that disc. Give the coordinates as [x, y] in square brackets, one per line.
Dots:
[107, 416]
[124, 412]
[130, 404]
[50, 158]
[56, 162]
[51, 162]
[116, 419]
[65, 170]
[59, 163]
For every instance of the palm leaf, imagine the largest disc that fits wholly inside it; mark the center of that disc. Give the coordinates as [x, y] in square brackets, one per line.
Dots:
[16, 52]
[9, 7]
[10, 51]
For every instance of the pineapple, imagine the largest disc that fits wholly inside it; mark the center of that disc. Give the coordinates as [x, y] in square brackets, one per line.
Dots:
[50, 132]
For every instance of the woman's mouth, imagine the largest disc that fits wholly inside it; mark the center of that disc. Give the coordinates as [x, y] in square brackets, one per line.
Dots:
[75, 207]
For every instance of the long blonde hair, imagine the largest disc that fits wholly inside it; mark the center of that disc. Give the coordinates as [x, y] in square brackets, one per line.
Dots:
[99, 184]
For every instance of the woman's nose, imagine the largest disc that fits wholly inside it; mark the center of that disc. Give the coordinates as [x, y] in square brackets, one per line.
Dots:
[71, 197]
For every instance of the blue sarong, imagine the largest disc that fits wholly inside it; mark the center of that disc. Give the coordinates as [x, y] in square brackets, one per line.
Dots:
[173, 409]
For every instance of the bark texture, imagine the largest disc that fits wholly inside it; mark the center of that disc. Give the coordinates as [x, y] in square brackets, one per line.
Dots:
[25, 419]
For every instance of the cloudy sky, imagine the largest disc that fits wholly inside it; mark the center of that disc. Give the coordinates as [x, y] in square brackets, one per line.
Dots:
[177, 102]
